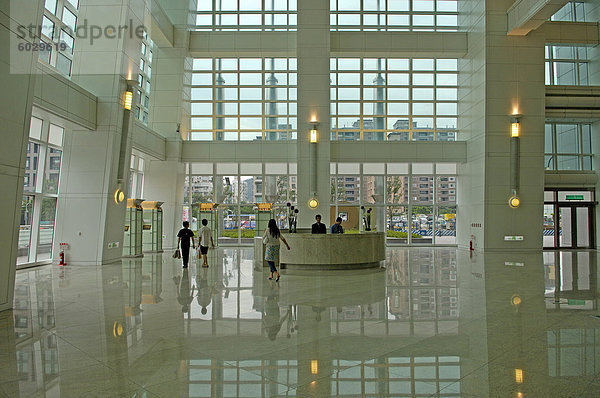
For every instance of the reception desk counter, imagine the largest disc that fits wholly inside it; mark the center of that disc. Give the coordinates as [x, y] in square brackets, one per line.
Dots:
[339, 251]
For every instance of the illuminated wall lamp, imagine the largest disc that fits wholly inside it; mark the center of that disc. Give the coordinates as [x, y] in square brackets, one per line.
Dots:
[313, 203]
[514, 201]
[314, 135]
[128, 102]
[314, 366]
[515, 127]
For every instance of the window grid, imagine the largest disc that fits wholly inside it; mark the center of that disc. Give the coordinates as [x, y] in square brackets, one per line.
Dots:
[394, 15]
[397, 376]
[409, 100]
[246, 15]
[559, 153]
[411, 205]
[145, 79]
[567, 65]
[244, 99]
[573, 11]
[58, 26]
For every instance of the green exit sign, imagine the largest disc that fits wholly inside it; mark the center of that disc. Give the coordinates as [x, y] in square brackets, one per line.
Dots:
[574, 197]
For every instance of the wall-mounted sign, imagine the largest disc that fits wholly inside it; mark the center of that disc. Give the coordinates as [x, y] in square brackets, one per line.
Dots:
[264, 206]
[574, 197]
[207, 206]
[147, 227]
[513, 237]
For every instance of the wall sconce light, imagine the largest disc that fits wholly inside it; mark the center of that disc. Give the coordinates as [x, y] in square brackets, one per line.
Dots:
[314, 135]
[514, 201]
[313, 203]
[314, 366]
[519, 376]
[128, 102]
[515, 127]
[119, 196]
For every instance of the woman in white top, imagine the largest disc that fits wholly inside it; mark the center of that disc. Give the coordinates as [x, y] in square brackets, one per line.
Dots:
[271, 239]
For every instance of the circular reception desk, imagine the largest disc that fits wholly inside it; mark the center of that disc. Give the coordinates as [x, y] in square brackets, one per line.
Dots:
[337, 251]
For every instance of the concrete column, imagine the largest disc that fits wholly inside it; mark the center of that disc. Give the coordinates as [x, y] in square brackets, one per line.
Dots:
[313, 52]
[163, 181]
[502, 75]
[17, 77]
[91, 220]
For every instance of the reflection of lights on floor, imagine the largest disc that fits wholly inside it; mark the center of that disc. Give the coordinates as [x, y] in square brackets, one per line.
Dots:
[519, 395]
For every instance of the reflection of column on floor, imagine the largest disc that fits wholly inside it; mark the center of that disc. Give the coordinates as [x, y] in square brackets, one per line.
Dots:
[315, 359]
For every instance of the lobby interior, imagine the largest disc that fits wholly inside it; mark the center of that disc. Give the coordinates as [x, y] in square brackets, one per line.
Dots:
[458, 134]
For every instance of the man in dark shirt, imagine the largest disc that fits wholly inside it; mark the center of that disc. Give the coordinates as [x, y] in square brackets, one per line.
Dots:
[337, 227]
[318, 227]
[183, 238]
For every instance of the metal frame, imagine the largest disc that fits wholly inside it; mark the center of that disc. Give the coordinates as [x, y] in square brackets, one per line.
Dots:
[59, 27]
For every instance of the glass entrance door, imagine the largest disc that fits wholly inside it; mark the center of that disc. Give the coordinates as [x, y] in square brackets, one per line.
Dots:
[575, 227]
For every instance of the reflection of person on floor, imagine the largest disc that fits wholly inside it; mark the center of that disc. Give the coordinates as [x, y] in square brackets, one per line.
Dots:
[205, 292]
[272, 320]
[185, 296]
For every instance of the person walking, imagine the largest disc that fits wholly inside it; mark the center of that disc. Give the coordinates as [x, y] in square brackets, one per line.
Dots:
[272, 238]
[205, 235]
[183, 237]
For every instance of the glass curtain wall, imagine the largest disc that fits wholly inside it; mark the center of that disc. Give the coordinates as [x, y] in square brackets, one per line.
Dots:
[57, 41]
[237, 188]
[396, 99]
[568, 146]
[567, 65]
[136, 177]
[144, 79]
[413, 203]
[245, 99]
[246, 15]
[41, 189]
[394, 15]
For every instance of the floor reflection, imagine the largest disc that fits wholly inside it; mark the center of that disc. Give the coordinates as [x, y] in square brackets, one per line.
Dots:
[433, 322]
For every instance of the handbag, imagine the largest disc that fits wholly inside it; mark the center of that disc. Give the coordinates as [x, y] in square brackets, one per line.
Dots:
[177, 254]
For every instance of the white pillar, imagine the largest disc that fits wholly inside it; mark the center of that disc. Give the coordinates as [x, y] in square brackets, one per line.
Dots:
[17, 77]
[313, 52]
[91, 220]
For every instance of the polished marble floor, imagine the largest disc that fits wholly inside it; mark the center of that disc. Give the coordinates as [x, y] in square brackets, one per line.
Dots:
[431, 323]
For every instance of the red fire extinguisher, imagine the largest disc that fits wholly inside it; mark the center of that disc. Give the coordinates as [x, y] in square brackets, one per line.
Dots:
[62, 254]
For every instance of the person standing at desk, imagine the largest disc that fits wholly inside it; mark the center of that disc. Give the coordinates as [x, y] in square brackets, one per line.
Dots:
[337, 227]
[318, 227]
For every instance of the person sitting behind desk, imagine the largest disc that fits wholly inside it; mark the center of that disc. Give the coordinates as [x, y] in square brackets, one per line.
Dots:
[337, 227]
[318, 227]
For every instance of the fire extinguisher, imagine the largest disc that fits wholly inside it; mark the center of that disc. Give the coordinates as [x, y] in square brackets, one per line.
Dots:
[62, 254]
[471, 245]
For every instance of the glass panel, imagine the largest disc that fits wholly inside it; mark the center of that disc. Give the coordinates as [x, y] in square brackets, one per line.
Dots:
[372, 189]
[52, 175]
[548, 239]
[397, 189]
[50, 5]
[31, 167]
[55, 136]
[228, 191]
[69, 19]
[35, 128]
[202, 189]
[445, 226]
[422, 224]
[25, 229]
[583, 226]
[397, 224]
[63, 64]
[47, 27]
[446, 190]
[567, 138]
[229, 224]
[422, 190]
[46, 231]
[565, 227]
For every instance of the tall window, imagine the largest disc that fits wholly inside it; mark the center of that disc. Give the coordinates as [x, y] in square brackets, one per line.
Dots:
[58, 38]
[567, 65]
[568, 146]
[244, 99]
[244, 15]
[41, 182]
[136, 177]
[396, 99]
[144, 79]
[415, 15]
[413, 203]
[573, 11]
